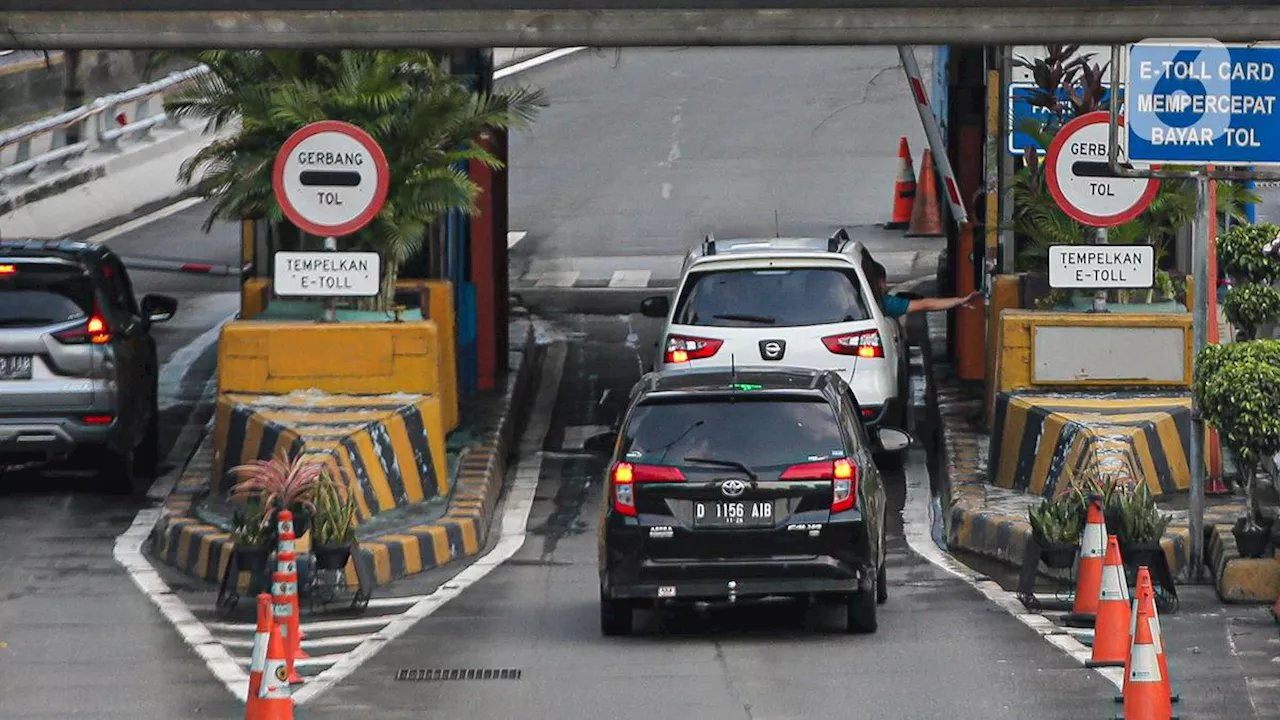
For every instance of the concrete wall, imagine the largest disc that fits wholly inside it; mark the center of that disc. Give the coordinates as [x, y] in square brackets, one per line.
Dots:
[33, 88]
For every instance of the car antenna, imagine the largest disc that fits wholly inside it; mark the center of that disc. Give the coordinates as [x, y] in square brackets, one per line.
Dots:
[777, 231]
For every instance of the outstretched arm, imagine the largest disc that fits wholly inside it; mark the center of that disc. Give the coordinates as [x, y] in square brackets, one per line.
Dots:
[937, 304]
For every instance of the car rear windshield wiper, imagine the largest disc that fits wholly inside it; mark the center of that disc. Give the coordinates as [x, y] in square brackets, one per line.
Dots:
[763, 319]
[724, 463]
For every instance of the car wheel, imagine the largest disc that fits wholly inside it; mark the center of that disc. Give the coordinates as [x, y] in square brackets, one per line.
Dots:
[882, 586]
[116, 471]
[861, 611]
[615, 617]
[148, 452]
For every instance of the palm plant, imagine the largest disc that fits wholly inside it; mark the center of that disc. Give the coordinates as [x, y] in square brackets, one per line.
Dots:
[428, 122]
[335, 519]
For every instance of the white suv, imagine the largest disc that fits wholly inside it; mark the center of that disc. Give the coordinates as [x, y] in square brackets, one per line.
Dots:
[791, 301]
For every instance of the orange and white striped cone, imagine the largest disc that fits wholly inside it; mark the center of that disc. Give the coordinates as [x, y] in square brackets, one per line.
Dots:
[261, 639]
[1112, 635]
[1146, 696]
[275, 699]
[285, 590]
[904, 189]
[1144, 579]
[1093, 549]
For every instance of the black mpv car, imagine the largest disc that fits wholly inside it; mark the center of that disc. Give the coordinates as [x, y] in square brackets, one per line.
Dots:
[728, 485]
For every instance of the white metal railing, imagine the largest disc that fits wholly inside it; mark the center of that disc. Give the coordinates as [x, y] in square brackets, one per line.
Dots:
[43, 145]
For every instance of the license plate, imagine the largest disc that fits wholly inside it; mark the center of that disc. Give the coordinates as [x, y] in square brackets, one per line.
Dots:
[742, 513]
[15, 367]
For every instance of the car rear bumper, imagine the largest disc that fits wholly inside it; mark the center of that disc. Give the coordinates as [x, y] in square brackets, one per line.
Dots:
[50, 437]
[705, 589]
[890, 413]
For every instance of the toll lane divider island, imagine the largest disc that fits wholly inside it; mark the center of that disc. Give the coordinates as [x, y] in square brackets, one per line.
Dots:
[1065, 408]
[372, 396]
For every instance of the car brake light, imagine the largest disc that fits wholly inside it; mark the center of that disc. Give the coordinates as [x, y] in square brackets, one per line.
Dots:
[96, 419]
[864, 343]
[8, 270]
[681, 348]
[842, 474]
[625, 477]
[95, 330]
[868, 412]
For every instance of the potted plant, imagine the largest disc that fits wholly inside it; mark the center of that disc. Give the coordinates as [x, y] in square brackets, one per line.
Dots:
[251, 535]
[1056, 526]
[334, 527]
[1143, 527]
[280, 484]
[1236, 387]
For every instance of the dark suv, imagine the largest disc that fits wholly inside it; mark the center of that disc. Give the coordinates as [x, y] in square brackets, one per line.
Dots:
[78, 366]
[730, 485]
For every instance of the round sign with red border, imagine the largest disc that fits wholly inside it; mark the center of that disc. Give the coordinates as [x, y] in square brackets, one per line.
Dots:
[1081, 181]
[331, 178]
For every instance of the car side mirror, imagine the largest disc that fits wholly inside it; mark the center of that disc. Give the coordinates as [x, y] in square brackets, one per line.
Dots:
[892, 439]
[655, 307]
[158, 308]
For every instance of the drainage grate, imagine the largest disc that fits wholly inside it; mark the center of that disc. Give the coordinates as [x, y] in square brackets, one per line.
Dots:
[437, 674]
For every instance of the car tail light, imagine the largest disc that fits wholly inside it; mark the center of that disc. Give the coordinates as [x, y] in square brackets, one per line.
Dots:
[94, 330]
[627, 475]
[868, 412]
[842, 474]
[96, 419]
[682, 348]
[8, 270]
[864, 343]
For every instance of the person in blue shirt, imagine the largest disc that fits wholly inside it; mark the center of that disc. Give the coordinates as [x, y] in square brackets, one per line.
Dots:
[896, 307]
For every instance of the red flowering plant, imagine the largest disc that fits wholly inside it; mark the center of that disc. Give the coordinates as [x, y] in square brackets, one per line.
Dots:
[279, 484]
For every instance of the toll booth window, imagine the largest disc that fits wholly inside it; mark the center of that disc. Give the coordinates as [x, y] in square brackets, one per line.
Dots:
[782, 297]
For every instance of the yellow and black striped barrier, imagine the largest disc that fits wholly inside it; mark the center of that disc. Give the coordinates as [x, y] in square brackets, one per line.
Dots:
[1042, 444]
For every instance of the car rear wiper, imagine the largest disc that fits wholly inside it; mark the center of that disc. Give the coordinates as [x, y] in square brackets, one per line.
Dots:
[724, 463]
[764, 319]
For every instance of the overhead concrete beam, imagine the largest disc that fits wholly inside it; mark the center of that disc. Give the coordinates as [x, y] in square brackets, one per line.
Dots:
[907, 22]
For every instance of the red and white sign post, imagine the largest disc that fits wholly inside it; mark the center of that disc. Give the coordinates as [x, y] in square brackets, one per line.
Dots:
[1081, 181]
[331, 179]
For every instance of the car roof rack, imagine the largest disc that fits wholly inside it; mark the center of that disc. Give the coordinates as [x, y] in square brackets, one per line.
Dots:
[836, 242]
[709, 244]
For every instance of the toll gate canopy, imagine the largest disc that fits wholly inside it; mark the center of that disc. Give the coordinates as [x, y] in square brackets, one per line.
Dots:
[113, 24]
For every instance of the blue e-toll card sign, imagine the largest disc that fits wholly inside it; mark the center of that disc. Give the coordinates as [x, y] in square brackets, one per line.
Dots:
[1021, 109]
[1203, 102]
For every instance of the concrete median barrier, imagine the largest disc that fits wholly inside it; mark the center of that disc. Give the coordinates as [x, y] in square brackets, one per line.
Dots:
[1042, 444]
[416, 511]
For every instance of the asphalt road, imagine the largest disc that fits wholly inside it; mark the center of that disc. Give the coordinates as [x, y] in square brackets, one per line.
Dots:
[644, 151]
[942, 650]
[77, 638]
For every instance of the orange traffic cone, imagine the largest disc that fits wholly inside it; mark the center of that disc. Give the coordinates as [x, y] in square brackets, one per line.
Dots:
[1146, 695]
[261, 639]
[904, 189]
[926, 215]
[275, 701]
[1093, 548]
[1144, 581]
[1111, 635]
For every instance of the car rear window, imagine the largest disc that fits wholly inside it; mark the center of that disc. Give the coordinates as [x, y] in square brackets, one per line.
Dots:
[760, 433]
[774, 297]
[36, 294]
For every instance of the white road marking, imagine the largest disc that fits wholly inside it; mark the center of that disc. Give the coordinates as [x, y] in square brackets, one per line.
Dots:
[917, 516]
[534, 62]
[515, 237]
[512, 532]
[666, 191]
[630, 278]
[558, 278]
[576, 436]
[147, 219]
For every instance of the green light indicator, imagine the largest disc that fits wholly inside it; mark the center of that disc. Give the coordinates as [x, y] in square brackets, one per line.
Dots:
[745, 386]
